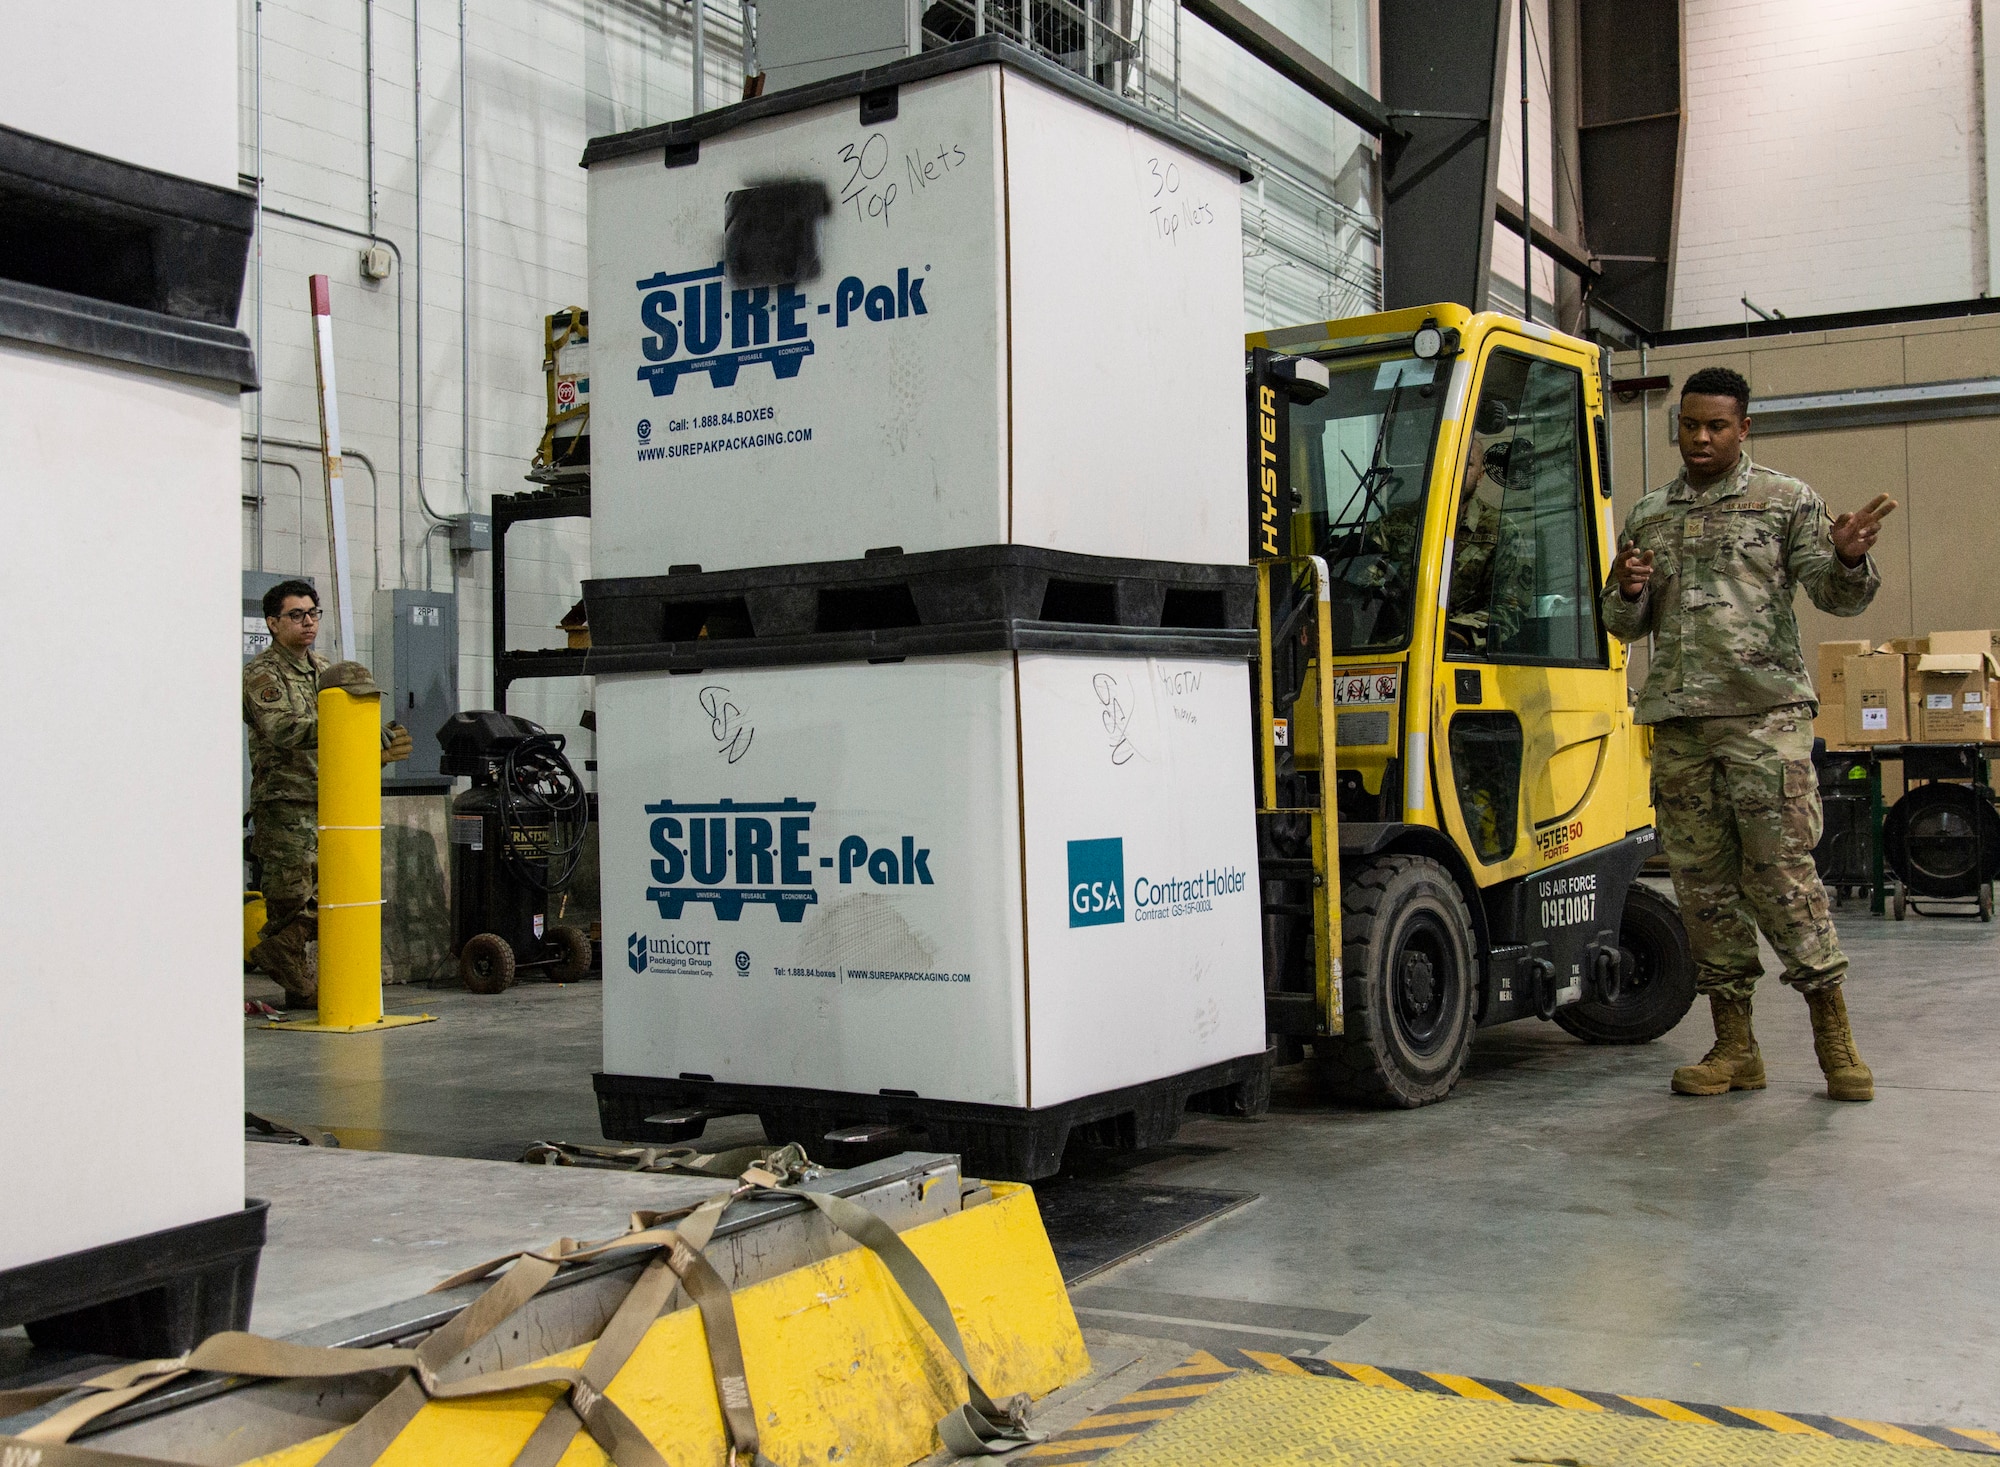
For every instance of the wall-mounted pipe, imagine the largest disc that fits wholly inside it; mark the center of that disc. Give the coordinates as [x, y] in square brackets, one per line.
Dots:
[257, 135]
[299, 445]
[368, 105]
[417, 228]
[700, 56]
[464, 277]
[1527, 200]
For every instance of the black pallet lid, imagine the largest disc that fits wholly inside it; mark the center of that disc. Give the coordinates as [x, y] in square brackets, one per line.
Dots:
[889, 605]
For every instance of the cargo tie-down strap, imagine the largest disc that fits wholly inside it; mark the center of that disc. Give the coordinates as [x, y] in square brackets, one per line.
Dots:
[979, 1427]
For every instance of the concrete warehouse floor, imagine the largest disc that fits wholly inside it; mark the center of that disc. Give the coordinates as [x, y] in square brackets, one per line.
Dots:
[1563, 1219]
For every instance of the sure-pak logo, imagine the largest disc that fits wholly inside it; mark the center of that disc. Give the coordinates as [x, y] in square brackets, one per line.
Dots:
[693, 322]
[1096, 882]
[729, 854]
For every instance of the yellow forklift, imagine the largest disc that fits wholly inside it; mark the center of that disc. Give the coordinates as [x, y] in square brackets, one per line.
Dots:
[1453, 800]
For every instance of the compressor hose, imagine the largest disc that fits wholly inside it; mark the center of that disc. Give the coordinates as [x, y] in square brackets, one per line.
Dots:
[544, 813]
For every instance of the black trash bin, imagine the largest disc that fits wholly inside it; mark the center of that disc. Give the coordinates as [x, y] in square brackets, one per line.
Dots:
[1845, 855]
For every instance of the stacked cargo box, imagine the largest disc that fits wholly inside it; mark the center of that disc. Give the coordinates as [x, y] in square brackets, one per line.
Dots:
[923, 616]
[1935, 689]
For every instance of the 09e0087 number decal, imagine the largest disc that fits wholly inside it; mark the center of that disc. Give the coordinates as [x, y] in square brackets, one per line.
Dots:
[1568, 901]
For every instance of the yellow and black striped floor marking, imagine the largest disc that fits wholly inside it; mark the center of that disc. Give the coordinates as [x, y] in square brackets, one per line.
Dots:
[1128, 1419]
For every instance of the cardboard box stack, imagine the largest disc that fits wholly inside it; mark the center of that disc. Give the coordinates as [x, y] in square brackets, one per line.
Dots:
[1831, 685]
[1937, 689]
[1952, 687]
[1877, 697]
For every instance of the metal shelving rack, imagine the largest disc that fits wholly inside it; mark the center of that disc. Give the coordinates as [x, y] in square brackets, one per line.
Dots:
[562, 502]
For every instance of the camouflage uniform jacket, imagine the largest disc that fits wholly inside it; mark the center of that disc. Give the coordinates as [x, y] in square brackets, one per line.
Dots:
[1726, 561]
[281, 707]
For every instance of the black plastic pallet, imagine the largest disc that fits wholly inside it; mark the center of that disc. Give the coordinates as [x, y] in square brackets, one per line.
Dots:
[889, 605]
[159, 1294]
[994, 1142]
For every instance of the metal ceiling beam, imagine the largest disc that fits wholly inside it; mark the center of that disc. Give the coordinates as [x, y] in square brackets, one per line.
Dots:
[1239, 23]
[1565, 250]
[1632, 124]
[1444, 64]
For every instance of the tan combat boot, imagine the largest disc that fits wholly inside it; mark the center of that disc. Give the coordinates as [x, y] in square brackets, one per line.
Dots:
[1734, 1063]
[1846, 1077]
[282, 956]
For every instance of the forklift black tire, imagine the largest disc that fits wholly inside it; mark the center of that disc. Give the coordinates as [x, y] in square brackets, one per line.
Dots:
[486, 964]
[1409, 958]
[1658, 989]
[575, 960]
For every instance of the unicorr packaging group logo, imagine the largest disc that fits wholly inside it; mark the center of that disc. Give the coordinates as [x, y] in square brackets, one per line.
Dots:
[1096, 882]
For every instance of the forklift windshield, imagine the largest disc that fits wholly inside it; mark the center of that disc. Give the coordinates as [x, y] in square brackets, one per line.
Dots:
[1361, 459]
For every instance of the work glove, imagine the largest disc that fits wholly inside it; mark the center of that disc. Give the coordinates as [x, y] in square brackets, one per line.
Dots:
[397, 743]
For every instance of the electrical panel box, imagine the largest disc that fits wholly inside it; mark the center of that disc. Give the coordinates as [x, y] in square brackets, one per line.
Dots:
[472, 531]
[416, 667]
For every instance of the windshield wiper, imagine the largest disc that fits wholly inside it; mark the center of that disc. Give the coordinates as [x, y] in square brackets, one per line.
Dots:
[1365, 486]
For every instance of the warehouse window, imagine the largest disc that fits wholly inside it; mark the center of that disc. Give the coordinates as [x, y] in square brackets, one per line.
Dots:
[1523, 579]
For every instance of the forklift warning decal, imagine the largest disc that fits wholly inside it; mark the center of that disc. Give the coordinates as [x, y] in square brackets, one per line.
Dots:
[1360, 685]
[732, 853]
[682, 320]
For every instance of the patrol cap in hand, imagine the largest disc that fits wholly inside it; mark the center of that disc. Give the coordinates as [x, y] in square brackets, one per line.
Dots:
[354, 677]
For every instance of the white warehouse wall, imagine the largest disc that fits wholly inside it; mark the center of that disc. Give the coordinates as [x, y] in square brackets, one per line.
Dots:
[542, 77]
[131, 79]
[1833, 157]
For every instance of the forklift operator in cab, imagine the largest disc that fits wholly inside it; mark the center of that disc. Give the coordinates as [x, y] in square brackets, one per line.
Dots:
[1479, 622]
[1707, 566]
[281, 687]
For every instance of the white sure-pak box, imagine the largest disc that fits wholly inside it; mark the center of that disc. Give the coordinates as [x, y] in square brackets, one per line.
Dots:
[1013, 879]
[1026, 328]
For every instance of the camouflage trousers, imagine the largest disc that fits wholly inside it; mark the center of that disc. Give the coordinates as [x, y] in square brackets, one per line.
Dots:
[286, 845]
[1738, 806]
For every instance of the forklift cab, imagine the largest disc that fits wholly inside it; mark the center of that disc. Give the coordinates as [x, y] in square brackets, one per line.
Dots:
[1462, 503]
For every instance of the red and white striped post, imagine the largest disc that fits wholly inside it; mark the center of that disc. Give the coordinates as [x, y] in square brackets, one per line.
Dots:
[329, 448]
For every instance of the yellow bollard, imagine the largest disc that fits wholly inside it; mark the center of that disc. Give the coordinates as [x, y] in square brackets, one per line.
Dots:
[350, 857]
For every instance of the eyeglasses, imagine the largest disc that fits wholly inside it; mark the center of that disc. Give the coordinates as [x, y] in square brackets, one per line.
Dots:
[298, 616]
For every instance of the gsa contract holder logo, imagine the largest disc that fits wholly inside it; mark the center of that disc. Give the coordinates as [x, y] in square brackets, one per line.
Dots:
[1098, 895]
[1096, 882]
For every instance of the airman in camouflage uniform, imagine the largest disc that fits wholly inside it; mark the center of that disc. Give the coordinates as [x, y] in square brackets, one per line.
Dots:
[1708, 566]
[281, 688]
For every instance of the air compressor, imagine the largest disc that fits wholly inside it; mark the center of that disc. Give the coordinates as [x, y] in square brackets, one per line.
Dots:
[517, 837]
